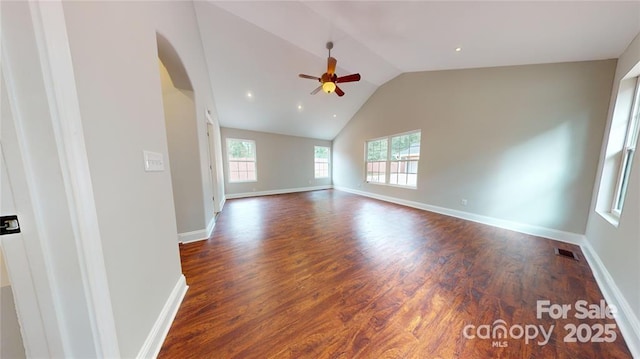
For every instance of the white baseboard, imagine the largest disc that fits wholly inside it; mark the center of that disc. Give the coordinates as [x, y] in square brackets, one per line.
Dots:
[569, 237]
[222, 202]
[277, 191]
[199, 235]
[193, 236]
[158, 333]
[625, 318]
[211, 226]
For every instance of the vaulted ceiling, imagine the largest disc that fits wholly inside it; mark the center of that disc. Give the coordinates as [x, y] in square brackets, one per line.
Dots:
[256, 49]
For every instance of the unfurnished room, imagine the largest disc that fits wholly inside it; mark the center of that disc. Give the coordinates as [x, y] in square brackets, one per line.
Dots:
[320, 179]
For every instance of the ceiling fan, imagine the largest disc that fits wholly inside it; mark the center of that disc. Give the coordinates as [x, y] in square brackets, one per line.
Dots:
[329, 80]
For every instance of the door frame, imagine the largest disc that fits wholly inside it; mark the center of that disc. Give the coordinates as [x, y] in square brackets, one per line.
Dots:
[49, 31]
[213, 148]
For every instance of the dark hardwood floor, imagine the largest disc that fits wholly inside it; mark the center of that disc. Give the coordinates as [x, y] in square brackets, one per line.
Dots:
[328, 274]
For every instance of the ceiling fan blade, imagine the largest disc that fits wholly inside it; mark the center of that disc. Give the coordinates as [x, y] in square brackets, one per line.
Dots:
[331, 65]
[339, 92]
[309, 77]
[349, 78]
[316, 90]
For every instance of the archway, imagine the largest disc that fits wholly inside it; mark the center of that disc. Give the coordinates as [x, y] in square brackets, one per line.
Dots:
[182, 138]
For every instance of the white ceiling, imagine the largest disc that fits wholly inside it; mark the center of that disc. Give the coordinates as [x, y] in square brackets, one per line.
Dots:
[262, 46]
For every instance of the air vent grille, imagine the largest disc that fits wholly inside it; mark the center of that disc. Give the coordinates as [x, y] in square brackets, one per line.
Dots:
[566, 253]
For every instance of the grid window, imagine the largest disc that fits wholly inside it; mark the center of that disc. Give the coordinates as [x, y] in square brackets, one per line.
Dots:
[241, 156]
[377, 153]
[396, 164]
[321, 161]
[405, 154]
[630, 143]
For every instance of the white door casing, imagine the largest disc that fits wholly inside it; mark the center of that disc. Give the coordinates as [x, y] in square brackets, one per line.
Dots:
[67, 291]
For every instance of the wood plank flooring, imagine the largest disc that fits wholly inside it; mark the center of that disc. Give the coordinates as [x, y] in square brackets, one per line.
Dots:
[328, 274]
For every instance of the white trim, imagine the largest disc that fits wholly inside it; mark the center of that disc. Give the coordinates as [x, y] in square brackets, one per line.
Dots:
[199, 235]
[627, 321]
[192, 236]
[223, 201]
[160, 329]
[569, 237]
[59, 80]
[277, 191]
[211, 226]
[45, 318]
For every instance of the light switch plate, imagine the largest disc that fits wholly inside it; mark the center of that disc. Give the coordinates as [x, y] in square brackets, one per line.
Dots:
[153, 161]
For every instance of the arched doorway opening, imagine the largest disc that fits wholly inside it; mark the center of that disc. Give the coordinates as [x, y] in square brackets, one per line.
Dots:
[182, 139]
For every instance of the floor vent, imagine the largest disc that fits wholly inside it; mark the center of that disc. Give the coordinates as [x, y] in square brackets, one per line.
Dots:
[566, 253]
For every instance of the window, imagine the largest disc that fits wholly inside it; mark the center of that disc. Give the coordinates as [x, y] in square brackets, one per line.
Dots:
[377, 160]
[241, 155]
[396, 164]
[630, 142]
[321, 161]
[405, 153]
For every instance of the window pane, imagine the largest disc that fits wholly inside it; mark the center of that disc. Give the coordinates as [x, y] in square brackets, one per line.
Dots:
[405, 146]
[241, 155]
[401, 160]
[630, 143]
[628, 156]
[321, 152]
[321, 161]
[377, 150]
[405, 153]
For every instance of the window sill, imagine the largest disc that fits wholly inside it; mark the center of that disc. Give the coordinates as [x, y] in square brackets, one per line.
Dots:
[392, 185]
[248, 181]
[611, 218]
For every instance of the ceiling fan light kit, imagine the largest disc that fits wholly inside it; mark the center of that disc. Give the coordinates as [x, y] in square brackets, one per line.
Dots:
[328, 87]
[329, 80]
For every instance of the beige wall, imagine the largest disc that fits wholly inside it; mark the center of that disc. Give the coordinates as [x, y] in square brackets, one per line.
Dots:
[519, 143]
[283, 162]
[182, 140]
[115, 58]
[619, 247]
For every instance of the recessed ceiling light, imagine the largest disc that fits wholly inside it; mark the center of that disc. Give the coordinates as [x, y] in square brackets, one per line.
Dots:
[458, 49]
[299, 107]
[334, 115]
[249, 94]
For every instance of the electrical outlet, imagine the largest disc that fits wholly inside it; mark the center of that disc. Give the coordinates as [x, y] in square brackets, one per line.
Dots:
[463, 202]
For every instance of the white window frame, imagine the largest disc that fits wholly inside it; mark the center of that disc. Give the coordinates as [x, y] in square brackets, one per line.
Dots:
[229, 160]
[315, 161]
[627, 154]
[389, 160]
[366, 159]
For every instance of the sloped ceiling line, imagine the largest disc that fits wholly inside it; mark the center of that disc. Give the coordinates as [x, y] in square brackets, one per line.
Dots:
[261, 47]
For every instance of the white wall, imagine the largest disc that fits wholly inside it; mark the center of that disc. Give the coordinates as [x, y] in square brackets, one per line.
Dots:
[519, 143]
[619, 247]
[283, 162]
[182, 139]
[115, 57]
